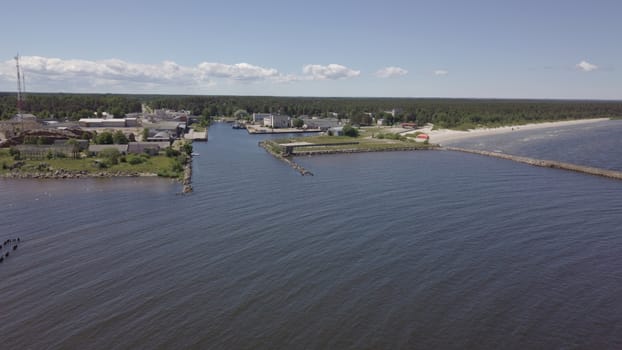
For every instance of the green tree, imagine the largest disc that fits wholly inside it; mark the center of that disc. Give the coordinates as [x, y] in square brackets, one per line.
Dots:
[111, 155]
[119, 138]
[117, 112]
[104, 138]
[297, 123]
[187, 148]
[145, 134]
[349, 130]
[84, 113]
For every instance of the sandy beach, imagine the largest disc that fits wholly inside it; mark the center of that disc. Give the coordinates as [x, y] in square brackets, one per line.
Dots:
[445, 135]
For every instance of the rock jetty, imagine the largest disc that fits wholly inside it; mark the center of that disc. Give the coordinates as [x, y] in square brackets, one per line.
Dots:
[612, 174]
[68, 174]
[187, 180]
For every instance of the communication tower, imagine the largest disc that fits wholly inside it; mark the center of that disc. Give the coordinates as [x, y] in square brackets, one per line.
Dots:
[21, 87]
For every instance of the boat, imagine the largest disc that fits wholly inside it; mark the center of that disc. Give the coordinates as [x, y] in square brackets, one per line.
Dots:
[238, 126]
[194, 154]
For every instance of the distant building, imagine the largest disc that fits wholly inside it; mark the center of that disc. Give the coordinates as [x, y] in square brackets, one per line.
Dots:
[131, 122]
[161, 136]
[25, 117]
[259, 117]
[174, 128]
[394, 112]
[321, 123]
[96, 149]
[42, 151]
[82, 144]
[277, 121]
[105, 123]
[336, 131]
[151, 148]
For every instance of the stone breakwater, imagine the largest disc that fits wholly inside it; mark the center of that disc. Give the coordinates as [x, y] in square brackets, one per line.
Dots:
[612, 174]
[357, 150]
[268, 146]
[187, 180]
[274, 149]
[69, 174]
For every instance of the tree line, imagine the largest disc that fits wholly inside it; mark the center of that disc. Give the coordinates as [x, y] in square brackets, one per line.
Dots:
[69, 106]
[444, 113]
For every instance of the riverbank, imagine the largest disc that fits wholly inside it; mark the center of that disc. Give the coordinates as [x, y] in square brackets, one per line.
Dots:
[71, 174]
[174, 163]
[445, 136]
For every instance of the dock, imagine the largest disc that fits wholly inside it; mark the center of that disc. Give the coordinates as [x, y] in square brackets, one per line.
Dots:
[196, 135]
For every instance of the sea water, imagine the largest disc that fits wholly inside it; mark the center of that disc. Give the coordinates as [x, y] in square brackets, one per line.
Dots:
[423, 249]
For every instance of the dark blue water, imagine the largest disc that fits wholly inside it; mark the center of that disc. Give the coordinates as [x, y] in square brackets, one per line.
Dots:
[389, 250]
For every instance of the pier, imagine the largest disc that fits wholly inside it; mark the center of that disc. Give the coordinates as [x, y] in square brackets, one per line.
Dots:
[196, 135]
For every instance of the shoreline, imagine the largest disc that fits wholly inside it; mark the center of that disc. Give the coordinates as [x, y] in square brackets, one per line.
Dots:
[446, 135]
[68, 174]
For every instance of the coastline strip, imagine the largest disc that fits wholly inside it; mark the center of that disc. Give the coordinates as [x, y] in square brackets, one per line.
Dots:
[612, 174]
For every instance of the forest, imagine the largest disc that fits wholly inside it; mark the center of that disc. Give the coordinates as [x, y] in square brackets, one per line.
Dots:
[443, 112]
[69, 106]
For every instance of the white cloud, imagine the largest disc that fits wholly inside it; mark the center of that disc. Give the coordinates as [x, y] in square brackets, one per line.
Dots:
[43, 68]
[586, 66]
[391, 72]
[56, 74]
[440, 72]
[40, 71]
[239, 71]
[330, 72]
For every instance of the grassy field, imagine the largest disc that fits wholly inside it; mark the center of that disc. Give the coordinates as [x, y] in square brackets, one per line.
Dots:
[156, 165]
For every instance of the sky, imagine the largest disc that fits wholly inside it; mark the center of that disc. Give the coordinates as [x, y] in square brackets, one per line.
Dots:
[545, 49]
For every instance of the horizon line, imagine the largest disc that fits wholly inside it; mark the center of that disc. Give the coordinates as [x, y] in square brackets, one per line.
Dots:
[311, 96]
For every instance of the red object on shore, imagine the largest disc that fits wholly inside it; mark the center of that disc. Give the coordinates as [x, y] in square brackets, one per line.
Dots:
[423, 136]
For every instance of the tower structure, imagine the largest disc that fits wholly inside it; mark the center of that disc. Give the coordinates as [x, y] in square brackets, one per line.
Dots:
[21, 86]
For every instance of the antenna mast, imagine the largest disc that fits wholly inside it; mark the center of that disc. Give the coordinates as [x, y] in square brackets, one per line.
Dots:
[21, 86]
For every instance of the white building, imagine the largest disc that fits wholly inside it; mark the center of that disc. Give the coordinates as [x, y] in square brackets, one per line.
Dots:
[277, 121]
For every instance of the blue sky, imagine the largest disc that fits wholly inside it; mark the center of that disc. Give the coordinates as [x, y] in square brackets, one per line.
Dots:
[446, 48]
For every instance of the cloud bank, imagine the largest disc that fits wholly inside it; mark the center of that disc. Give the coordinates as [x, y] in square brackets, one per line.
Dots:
[114, 70]
[440, 72]
[391, 72]
[76, 74]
